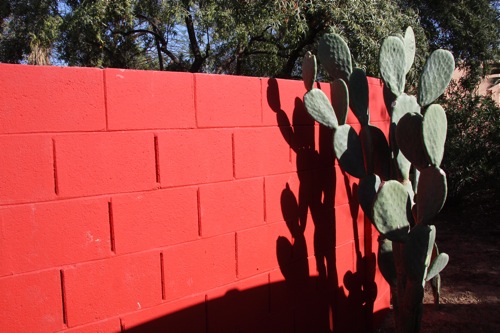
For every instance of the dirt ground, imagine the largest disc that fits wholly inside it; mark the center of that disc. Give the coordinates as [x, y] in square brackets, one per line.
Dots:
[470, 294]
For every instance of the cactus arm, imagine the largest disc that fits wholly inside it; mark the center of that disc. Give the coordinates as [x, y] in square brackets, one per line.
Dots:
[436, 76]
[418, 251]
[392, 64]
[381, 153]
[309, 70]
[434, 128]
[358, 93]
[436, 288]
[368, 188]
[410, 48]
[348, 150]
[319, 107]
[335, 56]
[340, 100]
[392, 211]
[431, 194]
[437, 265]
[385, 261]
[409, 139]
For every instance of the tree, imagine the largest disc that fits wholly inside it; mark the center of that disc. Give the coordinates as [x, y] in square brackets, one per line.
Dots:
[236, 37]
[29, 30]
[468, 28]
[471, 158]
[258, 37]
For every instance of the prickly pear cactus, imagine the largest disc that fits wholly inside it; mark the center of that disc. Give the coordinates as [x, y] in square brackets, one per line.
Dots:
[416, 140]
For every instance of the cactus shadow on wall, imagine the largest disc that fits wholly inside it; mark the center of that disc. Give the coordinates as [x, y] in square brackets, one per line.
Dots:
[311, 299]
[343, 307]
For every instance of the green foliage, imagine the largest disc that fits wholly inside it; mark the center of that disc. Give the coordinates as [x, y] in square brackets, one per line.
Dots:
[256, 38]
[469, 29]
[473, 145]
[29, 30]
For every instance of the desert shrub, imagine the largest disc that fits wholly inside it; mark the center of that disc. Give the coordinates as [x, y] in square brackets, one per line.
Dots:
[473, 143]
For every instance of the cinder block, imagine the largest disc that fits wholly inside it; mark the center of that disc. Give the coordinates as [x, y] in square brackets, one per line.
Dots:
[148, 220]
[378, 110]
[98, 163]
[31, 302]
[383, 300]
[259, 248]
[106, 288]
[195, 156]
[384, 127]
[231, 206]
[195, 267]
[344, 190]
[282, 103]
[344, 223]
[345, 261]
[51, 99]
[227, 101]
[149, 99]
[324, 147]
[285, 193]
[184, 315]
[287, 295]
[105, 326]
[260, 151]
[45, 235]
[27, 169]
[237, 306]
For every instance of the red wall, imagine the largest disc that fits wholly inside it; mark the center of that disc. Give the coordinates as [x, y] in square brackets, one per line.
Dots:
[139, 200]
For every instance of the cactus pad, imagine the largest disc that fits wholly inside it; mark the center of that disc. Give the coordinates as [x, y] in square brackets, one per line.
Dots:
[436, 76]
[410, 47]
[392, 210]
[334, 55]
[403, 105]
[319, 107]
[358, 93]
[347, 147]
[309, 69]
[368, 188]
[386, 261]
[437, 265]
[392, 64]
[431, 193]
[340, 100]
[381, 153]
[434, 133]
[418, 251]
[409, 139]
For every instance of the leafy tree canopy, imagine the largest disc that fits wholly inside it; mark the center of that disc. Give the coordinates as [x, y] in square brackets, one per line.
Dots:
[258, 37]
[470, 29]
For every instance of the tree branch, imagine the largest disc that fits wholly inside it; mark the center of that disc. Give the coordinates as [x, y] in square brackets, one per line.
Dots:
[193, 44]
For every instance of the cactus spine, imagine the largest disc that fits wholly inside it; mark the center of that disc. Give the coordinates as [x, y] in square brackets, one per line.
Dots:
[401, 211]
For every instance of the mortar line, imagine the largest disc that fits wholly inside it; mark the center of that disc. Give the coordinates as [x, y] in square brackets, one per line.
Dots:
[236, 254]
[233, 153]
[157, 159]
[111, 226]
[54, 166]
[198, 204]
[195, 102]
[162, 276]
[264, 196]
[105, 89]
[63, 296]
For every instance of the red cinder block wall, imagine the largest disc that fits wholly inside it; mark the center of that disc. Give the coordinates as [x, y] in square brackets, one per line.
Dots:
[140, 201]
